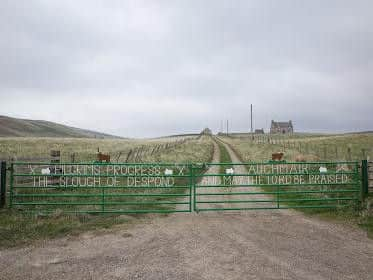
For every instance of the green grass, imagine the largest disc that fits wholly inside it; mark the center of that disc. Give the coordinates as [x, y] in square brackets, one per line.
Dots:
[224, 158]
[17, 229]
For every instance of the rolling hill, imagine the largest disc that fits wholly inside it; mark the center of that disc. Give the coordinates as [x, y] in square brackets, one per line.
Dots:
[14, 127]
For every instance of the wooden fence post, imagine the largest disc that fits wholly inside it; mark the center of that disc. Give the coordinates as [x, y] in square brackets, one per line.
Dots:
[55, 156]
[72, 157]
[363, 153]
[128, 155]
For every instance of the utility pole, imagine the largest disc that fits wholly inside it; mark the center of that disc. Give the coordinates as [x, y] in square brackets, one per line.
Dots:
[251, 121]
[227, 129]
[251, 118]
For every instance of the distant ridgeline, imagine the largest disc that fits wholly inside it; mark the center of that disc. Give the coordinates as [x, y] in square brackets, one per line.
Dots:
[13, 127]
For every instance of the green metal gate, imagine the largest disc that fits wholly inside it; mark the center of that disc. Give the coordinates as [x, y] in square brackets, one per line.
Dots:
[165, 188]
[101, 188]
[278, 185]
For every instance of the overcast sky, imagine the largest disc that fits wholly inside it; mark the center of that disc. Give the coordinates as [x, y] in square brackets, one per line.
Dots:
[151, 68]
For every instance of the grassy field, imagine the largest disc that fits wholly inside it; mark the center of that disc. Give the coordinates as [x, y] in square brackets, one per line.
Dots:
[305, 146]
[81, 149]
[301, 148]
[17, 228]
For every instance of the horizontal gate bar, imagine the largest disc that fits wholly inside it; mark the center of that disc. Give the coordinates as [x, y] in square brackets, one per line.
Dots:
[99, 175]
[99, 195]
[275, 174]
[111, 211]
[93, 203]
[281, 192]
[194, 165]
[103, 164]
[280, 200]
[62, 187]
[271, 208]
[275, 185]
[278, 163]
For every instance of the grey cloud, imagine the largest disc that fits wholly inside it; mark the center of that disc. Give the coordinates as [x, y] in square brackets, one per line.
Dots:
[163, 67]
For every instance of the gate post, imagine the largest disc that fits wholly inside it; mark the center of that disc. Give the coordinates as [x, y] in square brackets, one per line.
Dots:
[364, 177]
[11, 184]
[194, 188]
[190, 187]
[2, 183]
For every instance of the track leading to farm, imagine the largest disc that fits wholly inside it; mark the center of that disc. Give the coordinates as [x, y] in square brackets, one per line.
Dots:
[211, 245]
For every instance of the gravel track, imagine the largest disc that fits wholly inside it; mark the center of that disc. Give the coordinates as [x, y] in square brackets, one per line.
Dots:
[210, 245]
[239, 180]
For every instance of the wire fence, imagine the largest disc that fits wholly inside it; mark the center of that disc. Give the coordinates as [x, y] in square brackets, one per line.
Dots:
[323, 148]
[132, 154]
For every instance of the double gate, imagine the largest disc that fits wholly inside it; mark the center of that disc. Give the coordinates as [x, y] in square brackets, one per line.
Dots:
[165, 188]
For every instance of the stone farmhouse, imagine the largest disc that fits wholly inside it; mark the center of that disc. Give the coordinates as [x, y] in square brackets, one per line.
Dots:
[281, 127]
